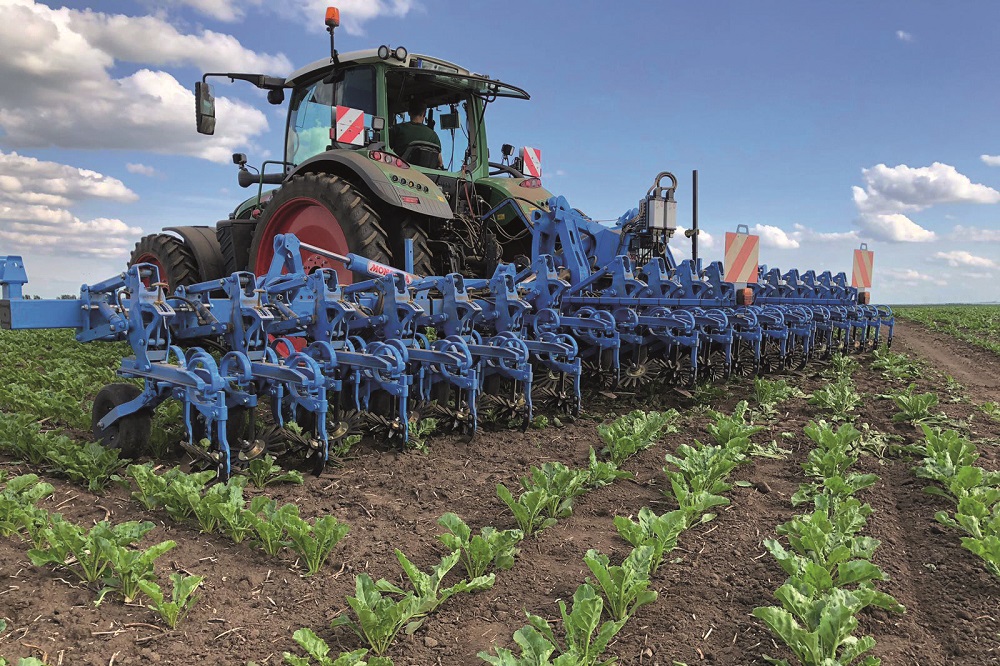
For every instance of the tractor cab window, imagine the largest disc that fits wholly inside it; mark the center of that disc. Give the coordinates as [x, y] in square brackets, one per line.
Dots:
[313, 114]
[447, 112]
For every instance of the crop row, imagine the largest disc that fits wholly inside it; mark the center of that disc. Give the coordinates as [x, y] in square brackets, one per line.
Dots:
[828, 561]
[602, 605]
[380, 609]
[104, 555]
[948, 459]
[222, 507]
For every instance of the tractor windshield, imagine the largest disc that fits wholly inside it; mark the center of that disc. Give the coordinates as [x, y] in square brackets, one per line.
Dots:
[312, 110]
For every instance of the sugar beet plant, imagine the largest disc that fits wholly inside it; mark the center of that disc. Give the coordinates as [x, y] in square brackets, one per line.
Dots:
[635, 432]
[829, 463]
[838, 397]
[831, 577]
[768, 394]
[381, 609]
[916, 408]
[479, 552]
[548, 492]
[948, 460]
[586, 637]
[317, 649]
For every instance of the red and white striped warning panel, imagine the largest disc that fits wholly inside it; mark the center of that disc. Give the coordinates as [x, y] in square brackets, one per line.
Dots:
[350, 126]
[742, 257]
[532, 158]
[864, 261]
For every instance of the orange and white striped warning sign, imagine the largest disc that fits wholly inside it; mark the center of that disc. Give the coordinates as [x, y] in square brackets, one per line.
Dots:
[532, 158]
[864, 261]
[742, 256]
[350, 126]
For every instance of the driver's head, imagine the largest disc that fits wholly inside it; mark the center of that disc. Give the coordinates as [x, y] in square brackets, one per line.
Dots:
[416, 111]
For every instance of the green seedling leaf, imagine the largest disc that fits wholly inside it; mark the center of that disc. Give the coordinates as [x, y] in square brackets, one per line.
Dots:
[491, 547]
[182, 598]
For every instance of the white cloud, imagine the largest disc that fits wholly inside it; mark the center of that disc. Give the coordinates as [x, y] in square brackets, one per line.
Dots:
[151, 40]
[977, 275]
[893, 228]
[803, 233]
[960, 258]
[904, 36]
[141, 169]
[35, 197]
[902, 188]
[889, 192]
[221, 10]
[353, 13]
[907, 275]
[990, 160]
[975, 234]
[58, 89]
[26, 180]
[771, 236]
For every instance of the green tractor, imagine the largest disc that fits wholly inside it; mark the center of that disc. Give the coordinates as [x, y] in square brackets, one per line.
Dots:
[357, 176]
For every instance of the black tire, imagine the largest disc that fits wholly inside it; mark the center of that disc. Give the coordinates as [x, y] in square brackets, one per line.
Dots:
[129, 434]
[422, 256]
[178, 264]
[363, 230]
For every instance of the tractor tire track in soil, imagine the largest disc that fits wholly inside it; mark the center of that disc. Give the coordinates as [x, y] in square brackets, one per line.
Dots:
[702, 615]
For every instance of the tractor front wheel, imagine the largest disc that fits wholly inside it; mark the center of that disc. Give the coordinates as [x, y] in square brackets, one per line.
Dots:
[323, 210]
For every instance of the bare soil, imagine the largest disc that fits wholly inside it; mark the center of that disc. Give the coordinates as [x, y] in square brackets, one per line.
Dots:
[252, 603]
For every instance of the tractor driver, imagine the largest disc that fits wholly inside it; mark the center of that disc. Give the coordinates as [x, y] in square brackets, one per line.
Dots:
[404, 134]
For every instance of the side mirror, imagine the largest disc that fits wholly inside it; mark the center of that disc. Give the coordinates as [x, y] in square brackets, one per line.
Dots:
[204, 107]
[276, 96]
[449, 121]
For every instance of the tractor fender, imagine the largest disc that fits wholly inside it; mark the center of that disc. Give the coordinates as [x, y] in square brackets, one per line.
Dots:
[205, 246]
[426, 198]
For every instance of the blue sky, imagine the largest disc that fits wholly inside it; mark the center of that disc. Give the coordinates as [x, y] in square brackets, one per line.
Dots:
[820, 125]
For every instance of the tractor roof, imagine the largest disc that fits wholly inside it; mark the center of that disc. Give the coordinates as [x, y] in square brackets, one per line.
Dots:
[416, 62]
[371, 55]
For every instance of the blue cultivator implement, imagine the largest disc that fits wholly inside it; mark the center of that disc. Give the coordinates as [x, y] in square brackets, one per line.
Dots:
[593, 304]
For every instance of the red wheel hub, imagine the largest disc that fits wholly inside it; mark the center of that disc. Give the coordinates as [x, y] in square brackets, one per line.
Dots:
[312, 223]
[151, 259]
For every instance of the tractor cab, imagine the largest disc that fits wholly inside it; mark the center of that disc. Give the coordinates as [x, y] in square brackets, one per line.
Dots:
[375, 91]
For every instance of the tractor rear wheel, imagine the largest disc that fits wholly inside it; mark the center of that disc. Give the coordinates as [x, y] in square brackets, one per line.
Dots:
[410, 229]
[174, 259]
[323, 210]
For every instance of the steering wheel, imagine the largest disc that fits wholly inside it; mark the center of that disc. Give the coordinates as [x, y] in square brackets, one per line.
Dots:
[504, 168]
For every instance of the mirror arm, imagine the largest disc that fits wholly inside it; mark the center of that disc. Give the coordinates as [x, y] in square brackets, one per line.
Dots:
[259, 80]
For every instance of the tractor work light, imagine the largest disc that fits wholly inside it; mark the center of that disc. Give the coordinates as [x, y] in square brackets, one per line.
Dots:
[332, 17]
[399, 53]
